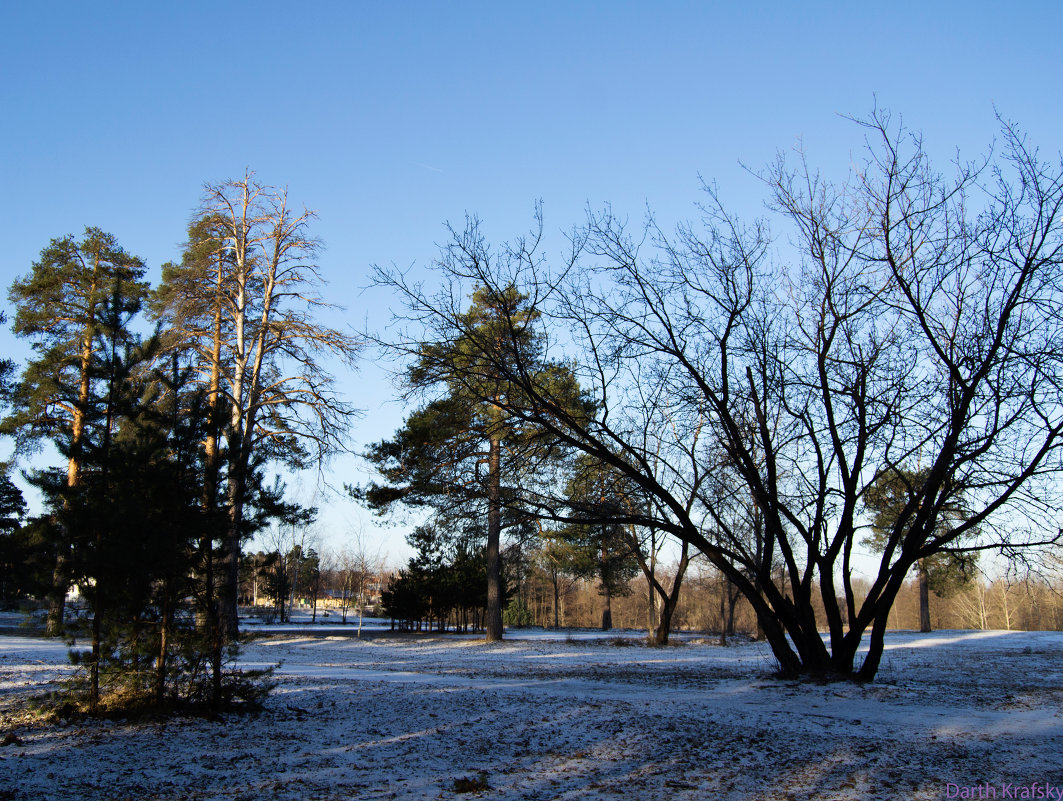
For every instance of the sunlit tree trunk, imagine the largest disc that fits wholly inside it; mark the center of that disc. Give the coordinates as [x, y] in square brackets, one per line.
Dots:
[558, 596]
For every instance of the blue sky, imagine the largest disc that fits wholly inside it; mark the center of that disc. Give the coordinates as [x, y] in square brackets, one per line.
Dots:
[391, 118]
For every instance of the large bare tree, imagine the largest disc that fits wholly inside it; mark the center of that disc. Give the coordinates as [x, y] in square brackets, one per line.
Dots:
[908, 319]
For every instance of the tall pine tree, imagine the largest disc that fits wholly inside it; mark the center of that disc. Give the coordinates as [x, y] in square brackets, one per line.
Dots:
[246, 301]
[457, 452]
[942, 573]
[60, 307]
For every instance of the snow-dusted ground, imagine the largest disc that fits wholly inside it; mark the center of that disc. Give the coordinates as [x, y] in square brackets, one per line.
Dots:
[542, 718]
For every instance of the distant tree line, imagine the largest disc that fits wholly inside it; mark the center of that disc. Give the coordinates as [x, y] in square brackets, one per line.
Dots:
[544, 589]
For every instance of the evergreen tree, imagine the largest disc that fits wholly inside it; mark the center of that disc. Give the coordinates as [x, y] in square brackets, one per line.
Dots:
[115, 533]
[60, 308]
[276, 582]
[15, 550]
[558, 558]
[132, 518]
[457, 452]
[445, 580]
[596, 494]
[941, 573]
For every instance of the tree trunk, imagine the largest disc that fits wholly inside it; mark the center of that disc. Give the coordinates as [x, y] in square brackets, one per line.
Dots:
[94, 671]
[724, 596]
[651, 607]
[207, 618]
[670, 601]
[607, 611]
[57, 592]
[877, 639]
[239, 430]
[210, 624]
[731, 598]
[924, 599]
[361, 608]
[216, 646]
[164, 642]
[1005, 607]
[493, 623]
[229, 589]
[229, 586]
[875, 648]
[557, 599]
[664, 627]
[651, 581]
[60, 577]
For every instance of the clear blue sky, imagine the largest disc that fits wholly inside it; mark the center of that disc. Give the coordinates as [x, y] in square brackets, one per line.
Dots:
[391, 118]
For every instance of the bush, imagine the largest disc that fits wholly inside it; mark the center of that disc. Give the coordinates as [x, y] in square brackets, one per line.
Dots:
[472, 784]
[130, 681]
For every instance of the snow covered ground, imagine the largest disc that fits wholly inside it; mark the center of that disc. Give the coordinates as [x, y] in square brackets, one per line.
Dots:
[552, 718]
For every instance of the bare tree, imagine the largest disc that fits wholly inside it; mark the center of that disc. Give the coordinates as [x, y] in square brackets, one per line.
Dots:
[915, 321]
[330, 575]
[360, 562]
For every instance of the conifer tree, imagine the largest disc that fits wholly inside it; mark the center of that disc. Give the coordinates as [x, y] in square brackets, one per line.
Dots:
[596, 494]
[60, 307]
[941, 573]
[456, 453]
[14, 551]
[245, 302]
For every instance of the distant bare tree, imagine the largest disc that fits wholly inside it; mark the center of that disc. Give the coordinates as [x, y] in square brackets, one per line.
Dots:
[360, 562]
[557, 559]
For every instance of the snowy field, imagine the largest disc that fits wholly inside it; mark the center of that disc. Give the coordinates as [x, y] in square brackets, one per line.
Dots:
[581, 718]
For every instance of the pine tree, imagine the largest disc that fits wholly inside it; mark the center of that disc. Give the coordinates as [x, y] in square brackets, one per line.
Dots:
[245, 300]
[97, 513]
[445, 579]
[15, 553]
[941, 573]
[608, 553]
[60, 308]
[454, 452]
